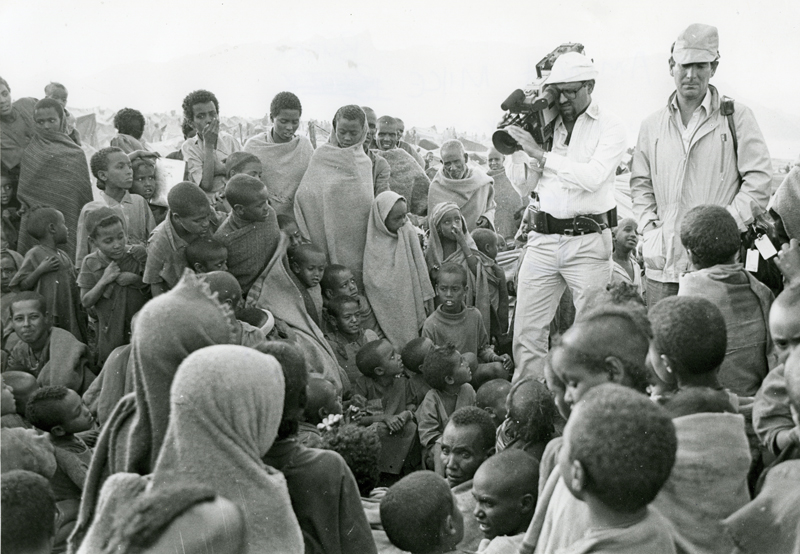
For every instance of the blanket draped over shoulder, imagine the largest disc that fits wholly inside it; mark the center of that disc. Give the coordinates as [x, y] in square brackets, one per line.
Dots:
[333, 202]
[709, 480]
[473, 194]
[67, 365]
[480, 293]
[276, 292]
[786, 203]
[54, 173]
[222, 423]
[407, 179]
[282, 167]
[508, 203]
[396, 279]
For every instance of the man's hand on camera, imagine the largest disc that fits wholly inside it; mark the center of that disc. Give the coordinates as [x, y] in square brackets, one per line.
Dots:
[525, 140]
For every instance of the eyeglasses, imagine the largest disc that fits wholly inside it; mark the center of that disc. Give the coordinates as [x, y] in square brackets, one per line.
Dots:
[569, 93]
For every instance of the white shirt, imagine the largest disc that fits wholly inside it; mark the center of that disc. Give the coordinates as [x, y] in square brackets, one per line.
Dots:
[193, 154]
[698, 116]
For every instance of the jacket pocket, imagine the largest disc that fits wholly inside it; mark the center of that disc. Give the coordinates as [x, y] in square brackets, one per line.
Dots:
[653, 249]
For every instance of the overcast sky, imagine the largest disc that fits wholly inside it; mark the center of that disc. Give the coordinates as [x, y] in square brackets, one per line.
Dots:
[71, 40]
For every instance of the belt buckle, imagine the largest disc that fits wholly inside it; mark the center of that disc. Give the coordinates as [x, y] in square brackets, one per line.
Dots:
[570, 231]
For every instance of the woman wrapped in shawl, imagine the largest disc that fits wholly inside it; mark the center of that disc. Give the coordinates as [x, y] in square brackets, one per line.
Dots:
[54, 173]
[221, 424]
[333, 201]
[396, 279]
[450, 242]
[284, 155]
[168, 329]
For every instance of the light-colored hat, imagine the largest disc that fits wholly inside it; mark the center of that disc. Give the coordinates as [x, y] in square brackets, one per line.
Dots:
[697, 44]
[572, 67]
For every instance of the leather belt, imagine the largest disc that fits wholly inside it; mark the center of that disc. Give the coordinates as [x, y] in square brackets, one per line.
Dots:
[575, 226]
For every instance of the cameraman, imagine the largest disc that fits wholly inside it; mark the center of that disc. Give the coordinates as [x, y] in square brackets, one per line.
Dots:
[576, 179]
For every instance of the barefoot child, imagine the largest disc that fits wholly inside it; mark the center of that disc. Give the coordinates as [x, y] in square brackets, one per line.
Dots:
[308, 263]
[111, 281]
[49, 271]
[347, 335]
[206, 255]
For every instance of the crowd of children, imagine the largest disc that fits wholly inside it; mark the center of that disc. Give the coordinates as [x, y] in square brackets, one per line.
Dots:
[286, 359]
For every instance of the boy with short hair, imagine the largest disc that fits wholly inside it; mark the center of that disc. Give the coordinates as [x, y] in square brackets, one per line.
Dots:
[112, 168]
[61, 413]
[52, 355]
[455, 322]
[448, 374]
[228, 292]
[626, 268]
[250, 232]
[206, 254]
[337, 280]
[144, 185]
[491, 398]
[243, 162]
[505, 490]
[308, 263]
[187, 220]
[619, 449]
[321, 402]
[48, 270]
[205, 153]
[111, 281]
[29, 513]
[346, 335]
[420, 516]
[413, 355]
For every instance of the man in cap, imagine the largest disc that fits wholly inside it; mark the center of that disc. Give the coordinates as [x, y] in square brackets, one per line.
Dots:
[571, 243]
[686, 156]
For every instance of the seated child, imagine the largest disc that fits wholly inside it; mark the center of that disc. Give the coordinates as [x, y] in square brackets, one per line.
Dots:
[448, 374]
[289, 227]
[505, 489]
[772, 418]
[491, 398]
[60, 412]
[386, 398]
[455, 322]
[206, 255]
[227, 289]
[619, 451]
[321, 401]
[339, 280]
[48, 271]
[420, 516]
[144, 184]
[187, 220]
[530, 420]
[308, 263]
[52, 355]
[29, 513]
[626, 268]
[111, 281]
[21, 385]
[346, 335]
[237, 163]
[486, 243]
[250, 232]
[112, 168]
[413, 355]
[9, 263]
[711, 238]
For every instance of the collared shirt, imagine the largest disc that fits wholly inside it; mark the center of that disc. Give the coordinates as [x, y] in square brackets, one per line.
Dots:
[698, 116]
[193, 153]
[166, 255]
[136, 216]
[578, 177]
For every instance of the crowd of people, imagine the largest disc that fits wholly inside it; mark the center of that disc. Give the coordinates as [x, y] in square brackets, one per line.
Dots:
[318, 349]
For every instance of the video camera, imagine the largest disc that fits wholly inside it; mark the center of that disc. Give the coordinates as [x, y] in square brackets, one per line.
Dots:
[532, 108]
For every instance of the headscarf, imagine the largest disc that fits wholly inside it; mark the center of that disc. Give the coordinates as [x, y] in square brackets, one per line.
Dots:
[396, 279]
[226, 406]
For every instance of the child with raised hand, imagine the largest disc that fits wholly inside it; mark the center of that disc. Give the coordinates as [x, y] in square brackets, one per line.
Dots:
[111, 281]
[250, 232]
[308, 263]
[346, 335]
[463, 325]
[48, 270]
[486, 243]
[112, 168]
[619, 449]
[413, 355]
[420, 516]
[206, 255]
[187, 221]
[339, 280]
[505, 491]
[60, 412]
[321, 402]
[229, 292]
[144, 185]
[626, 268]
[448, 374]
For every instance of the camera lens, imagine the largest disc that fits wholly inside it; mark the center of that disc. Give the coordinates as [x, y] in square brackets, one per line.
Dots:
[504, 143]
